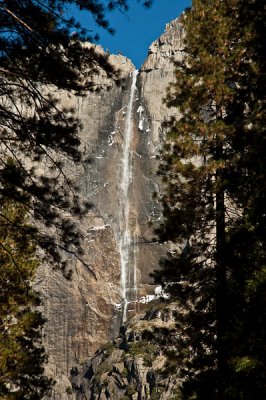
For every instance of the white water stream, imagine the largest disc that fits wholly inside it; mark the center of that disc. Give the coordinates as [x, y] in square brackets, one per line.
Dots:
[126, 177]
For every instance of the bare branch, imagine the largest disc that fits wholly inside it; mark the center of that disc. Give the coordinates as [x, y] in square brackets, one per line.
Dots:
[17, 18]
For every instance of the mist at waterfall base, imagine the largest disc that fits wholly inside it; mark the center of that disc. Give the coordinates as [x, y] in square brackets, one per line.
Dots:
[136, 29]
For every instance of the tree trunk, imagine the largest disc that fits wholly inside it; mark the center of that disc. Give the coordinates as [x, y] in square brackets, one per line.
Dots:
[221, 288]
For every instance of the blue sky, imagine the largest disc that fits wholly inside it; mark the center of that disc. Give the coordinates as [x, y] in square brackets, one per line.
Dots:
[139, 28]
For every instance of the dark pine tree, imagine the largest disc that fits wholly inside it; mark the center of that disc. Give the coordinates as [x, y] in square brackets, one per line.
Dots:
[22, 355]
[214, 202]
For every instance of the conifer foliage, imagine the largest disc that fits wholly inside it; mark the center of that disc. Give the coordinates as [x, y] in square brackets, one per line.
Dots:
[213, 166]
[21, 352]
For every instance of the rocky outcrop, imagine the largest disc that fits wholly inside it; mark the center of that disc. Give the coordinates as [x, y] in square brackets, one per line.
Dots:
[153, 80]
[156, 74]
[138, 365]
[87, 311]
[169, 47]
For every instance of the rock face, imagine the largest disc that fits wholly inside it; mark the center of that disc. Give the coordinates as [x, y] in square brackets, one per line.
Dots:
[121, 137]
[139, 365]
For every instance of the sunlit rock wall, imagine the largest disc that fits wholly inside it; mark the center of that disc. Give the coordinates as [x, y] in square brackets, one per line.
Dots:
[154, 77]
[87, 311]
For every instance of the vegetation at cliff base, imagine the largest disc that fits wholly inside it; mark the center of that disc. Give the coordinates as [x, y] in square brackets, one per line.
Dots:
[213, 166]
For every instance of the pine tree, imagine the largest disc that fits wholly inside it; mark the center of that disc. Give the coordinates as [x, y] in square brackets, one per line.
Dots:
[21, 353]
[209, 164]
[246, 237]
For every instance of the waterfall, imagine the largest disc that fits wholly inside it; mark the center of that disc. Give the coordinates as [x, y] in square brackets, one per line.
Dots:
[125, 237]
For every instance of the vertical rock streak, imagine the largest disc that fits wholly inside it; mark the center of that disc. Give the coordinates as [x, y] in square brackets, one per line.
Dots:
[126, 176]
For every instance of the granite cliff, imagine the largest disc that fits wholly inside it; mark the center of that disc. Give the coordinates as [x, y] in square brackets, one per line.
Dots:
[140, 364]
[121, 137]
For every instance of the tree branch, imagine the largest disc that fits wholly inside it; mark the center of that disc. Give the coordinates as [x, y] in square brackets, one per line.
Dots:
[16, 18]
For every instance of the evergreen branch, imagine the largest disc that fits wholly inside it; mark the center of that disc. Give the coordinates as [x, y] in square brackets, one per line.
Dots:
[16, 18]
[79, 258]
[16, 265]
[5, 71]
[67, 21]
